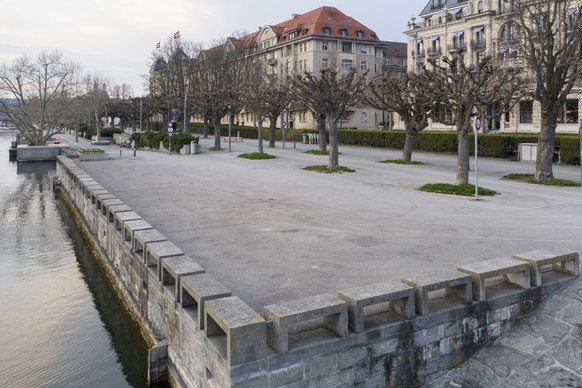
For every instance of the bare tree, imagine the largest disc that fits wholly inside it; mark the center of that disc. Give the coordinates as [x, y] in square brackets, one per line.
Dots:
[217, 77]
[550, 37]
[329, 94]
[461, 87]
[43, 92]
[266, 98]
[95, 99]
[410, 97]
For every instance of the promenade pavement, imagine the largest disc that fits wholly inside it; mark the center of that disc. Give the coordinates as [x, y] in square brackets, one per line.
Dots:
[273, 232]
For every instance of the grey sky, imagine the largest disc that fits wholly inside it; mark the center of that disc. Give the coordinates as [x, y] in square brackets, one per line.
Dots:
[114, 38]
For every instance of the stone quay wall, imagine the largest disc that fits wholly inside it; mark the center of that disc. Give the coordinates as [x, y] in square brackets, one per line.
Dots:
[404, 333]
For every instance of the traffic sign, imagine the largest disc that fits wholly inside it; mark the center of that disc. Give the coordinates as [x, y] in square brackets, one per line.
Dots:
[170, 134]
[478, 123]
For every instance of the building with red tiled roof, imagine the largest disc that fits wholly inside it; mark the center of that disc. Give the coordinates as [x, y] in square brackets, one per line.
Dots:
[318, 39]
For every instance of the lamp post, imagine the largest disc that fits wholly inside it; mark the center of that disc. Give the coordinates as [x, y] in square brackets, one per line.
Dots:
[282, 113]
[140, 113]
[229, 129]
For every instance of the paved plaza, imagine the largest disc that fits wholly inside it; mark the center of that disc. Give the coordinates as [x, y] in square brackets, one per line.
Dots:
[273, 232]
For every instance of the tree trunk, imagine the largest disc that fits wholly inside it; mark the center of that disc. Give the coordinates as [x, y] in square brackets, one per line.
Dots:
[206, 131]
[333, 146]
[545, 153]
[97, 128]
[462, 156]
[272, 132]
[260, 136]
[216, 132]
[409, 144]
[321, 130]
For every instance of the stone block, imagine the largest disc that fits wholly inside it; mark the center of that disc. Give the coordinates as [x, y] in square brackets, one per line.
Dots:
[399, 296]
[561, 260]
[245, 330]
[196, 290]
[130, 227]
[333, 310]
[158, 251]
[456, 285]
[174, 269]
[144, 237]
[122, 217]
[512, 270]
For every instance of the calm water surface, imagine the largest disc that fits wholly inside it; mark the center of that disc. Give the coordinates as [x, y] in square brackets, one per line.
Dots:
[60, 322]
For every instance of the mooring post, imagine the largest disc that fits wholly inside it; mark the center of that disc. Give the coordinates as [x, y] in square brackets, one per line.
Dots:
[158, 363]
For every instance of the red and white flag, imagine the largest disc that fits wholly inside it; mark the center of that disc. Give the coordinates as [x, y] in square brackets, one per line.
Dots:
[177, 35]
[158, 45]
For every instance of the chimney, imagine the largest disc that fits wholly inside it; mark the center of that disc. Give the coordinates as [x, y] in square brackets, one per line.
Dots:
[294, 15]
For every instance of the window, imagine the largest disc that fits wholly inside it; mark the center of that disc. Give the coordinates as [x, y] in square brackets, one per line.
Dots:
[325, 63]
[324, 46]
[346, 47]
[343, 32]
[458, 39]
[363, 49]
[480, 7]
[509, 32]
[363, 65]
[525, 112]
[364, 118]
[569, 112]
[346, 64]
[292, 35]
[326, 31]
[360, 34]
[478, 36]
[572, 16]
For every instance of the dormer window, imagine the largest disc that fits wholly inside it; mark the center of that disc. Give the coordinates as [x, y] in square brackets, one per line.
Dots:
[343, 32]
[326, 31]
[292, 35]
[360, 34]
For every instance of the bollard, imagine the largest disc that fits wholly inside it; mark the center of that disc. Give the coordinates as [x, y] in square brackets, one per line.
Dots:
[134, 151]
[120, 150]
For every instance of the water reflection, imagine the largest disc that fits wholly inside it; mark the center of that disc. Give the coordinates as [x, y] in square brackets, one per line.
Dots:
[61, 323]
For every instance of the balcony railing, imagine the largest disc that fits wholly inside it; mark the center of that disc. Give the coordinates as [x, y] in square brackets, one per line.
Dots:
[456, 46]
[476, 43]
[434, 51]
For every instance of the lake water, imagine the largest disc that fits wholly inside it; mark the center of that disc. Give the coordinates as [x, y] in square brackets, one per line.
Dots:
[61, 324]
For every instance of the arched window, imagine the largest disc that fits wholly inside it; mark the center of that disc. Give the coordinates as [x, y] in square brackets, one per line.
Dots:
[364, 117]
[480, 7]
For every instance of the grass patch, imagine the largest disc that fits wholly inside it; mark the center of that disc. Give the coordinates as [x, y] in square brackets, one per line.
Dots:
[215, 149]
[529, 178]
[324, 169]
[92, 151]
[467, 190]
[317, 152]
[400, 161]
[256, 156]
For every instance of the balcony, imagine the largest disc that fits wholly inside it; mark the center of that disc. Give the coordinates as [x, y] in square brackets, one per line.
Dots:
[477, 43]
[420, 53]
[434, 51]
[456, 46]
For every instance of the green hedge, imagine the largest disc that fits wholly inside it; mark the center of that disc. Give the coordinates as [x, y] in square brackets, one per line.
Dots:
[152, 139]
[88, 131]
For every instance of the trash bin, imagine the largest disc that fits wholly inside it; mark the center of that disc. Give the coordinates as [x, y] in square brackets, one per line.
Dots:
[195, 147]
[304, 138]
[316, 139]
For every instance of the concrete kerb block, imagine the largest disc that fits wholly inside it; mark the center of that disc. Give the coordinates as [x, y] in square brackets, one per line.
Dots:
[156, 252]
[141, 240]
[245, 330]
[512, 270]
[457, 285]
[196, 290]
[400, 297]
[175, 268]
[113, 210]
[561, 260]
[333, 310]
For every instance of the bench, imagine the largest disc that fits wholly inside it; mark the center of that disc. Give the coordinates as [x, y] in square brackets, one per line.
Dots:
[333, 310]
[561, 260]
[243, 328]
[233, 138]
[512, 270]
[400, 297]
[457, 286]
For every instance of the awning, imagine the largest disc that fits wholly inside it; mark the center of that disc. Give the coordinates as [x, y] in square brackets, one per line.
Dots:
[457, 33]
[434, 37]
[478, 29]
[572, 11]
[514, 49]
[538, 46]
[502, 50]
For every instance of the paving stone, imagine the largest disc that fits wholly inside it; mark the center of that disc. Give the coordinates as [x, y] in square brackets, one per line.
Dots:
[501, 359]
[569, 353]
[559, 377]
[524, 342]
[572, 313]
[550, 329]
